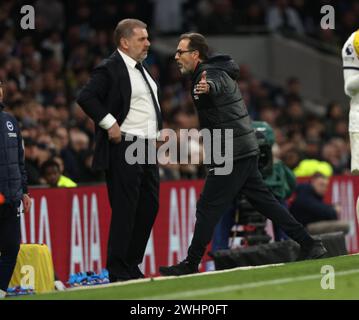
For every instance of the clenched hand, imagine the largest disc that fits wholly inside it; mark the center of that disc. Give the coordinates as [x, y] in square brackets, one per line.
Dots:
[26, 201]
[114, 133]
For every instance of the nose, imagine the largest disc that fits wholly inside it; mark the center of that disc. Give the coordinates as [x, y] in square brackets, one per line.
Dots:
[148, 43]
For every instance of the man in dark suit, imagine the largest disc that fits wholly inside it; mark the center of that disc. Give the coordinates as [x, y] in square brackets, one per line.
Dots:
[122, 99]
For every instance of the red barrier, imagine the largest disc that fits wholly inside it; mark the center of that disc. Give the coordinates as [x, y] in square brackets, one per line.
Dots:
[344, 190]
[74, 223]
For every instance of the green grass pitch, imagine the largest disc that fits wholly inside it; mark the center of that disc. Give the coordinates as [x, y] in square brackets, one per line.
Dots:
[297, 280]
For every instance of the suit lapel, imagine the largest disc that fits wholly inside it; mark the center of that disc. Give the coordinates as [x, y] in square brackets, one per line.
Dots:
[124, 79]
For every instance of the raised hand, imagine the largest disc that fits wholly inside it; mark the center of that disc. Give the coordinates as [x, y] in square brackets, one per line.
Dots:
[202, 87]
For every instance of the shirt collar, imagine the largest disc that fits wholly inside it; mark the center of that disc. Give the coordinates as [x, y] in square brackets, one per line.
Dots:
[128, 60]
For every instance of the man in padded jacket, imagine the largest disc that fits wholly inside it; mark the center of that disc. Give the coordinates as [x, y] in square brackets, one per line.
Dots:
[220, 107]
[13, 189]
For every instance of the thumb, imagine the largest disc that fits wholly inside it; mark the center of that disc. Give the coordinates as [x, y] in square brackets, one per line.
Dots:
[204, 76]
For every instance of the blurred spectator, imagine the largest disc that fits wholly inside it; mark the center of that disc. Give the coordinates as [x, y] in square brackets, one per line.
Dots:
[219, 18]
[31, 165]
[64, 150]
[106, 14]
[253, 15]
[341, 129]
[50, 171]
[60, 162]
[293, 117]
[312, 149]
[168, 18]
[314, 128]
[309, 208]
[336, 152]
[51, 14]
[334, 114]
[293, 90]
[54, 44]
[283, 18]
[45, 69]
[79, 146]
[15, 72]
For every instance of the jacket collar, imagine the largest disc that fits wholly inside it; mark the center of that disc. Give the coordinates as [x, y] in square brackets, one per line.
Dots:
[197, 70]
[128, 60]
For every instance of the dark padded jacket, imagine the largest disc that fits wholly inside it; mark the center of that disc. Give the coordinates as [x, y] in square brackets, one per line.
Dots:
[13, 179]
[223, 107]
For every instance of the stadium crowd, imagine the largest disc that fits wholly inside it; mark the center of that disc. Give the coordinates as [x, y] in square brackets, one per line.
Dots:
[44, 69]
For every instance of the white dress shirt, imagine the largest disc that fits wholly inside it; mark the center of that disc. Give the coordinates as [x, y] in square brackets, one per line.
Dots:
[141, 119]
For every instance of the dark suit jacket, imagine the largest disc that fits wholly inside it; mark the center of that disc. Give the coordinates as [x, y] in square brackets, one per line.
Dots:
[108, 91]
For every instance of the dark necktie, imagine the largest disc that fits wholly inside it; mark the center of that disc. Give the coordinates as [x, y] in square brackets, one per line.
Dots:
[157, 108]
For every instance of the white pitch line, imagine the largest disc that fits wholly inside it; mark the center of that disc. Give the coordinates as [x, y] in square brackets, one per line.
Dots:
[214, 272]
[201, 292]
[161, 278]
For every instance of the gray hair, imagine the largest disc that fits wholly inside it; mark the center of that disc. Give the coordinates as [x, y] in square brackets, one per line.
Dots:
[124, 28]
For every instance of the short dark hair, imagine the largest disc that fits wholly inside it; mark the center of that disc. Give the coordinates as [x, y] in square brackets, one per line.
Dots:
[51, 163]
[197, 42]
[124, 29]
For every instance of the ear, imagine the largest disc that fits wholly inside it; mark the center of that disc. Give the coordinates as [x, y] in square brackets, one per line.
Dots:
[124, 43]
[196, 53]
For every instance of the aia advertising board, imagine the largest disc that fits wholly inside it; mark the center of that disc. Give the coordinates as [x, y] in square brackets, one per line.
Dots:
[74, 223]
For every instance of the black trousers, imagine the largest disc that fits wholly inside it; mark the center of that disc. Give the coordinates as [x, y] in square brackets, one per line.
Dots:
[133, 193]
[218, 194]
[10, 238]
